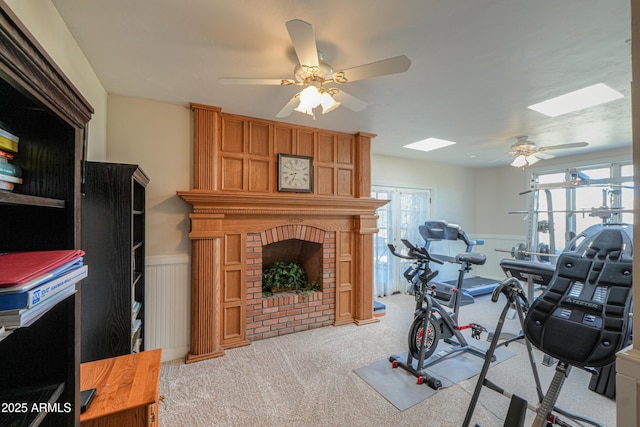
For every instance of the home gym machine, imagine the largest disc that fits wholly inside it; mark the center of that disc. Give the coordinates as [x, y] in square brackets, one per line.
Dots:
[543, 221]
[432, 322]
[581, 319]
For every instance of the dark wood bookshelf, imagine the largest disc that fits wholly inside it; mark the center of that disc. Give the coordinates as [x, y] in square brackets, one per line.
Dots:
[40, 363]
[113, 235]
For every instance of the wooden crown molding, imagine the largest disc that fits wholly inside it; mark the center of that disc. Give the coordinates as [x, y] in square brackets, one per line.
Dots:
[24, 60]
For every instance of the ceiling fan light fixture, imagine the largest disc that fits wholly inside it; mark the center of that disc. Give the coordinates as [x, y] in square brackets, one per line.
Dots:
[309, 99]
[531, 159]
[519, 161]
[312, 96]
[304, 110]
[328, 103]
[523, 160]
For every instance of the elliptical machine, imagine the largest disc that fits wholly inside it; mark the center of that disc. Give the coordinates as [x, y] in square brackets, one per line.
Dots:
[432, 322]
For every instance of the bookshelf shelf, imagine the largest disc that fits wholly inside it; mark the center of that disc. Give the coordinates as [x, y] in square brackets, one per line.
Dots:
[27, 200]
[40, 363]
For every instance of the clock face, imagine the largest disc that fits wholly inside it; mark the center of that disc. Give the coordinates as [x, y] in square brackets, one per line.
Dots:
[295, 173]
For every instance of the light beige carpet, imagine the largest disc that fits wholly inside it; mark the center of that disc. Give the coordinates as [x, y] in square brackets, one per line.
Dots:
[308, 379]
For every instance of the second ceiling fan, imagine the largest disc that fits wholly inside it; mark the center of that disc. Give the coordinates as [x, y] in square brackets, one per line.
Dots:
[314, 74]
[526, 152]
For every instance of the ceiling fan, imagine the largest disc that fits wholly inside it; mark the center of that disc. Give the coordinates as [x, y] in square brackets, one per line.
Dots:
[526, 153]
[314, 73]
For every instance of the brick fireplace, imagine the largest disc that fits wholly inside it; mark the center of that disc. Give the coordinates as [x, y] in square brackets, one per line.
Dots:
[238, 211]
[285, 313]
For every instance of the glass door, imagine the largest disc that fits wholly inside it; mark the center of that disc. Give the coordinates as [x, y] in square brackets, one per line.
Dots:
[398, 219]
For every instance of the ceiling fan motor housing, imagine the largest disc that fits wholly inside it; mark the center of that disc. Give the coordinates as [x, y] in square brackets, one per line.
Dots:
[302, 73]
[523, 145]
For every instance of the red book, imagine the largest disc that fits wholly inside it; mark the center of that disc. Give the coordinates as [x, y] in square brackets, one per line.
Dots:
[5, 155]
[17, 268]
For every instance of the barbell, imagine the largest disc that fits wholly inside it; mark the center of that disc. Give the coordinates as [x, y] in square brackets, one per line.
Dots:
[520, 252]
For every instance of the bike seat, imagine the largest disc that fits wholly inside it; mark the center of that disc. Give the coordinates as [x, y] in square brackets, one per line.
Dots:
[471, 258]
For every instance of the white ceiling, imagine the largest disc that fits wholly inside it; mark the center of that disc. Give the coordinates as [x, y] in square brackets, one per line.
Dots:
[476, 64]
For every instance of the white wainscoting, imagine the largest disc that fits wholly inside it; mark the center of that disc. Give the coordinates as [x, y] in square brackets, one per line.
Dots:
[168, 293]
[168, 304]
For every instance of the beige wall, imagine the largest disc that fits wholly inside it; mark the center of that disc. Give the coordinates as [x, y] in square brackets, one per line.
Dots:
[452, 187]
[497, 193]
[44, 22]
[156, 136]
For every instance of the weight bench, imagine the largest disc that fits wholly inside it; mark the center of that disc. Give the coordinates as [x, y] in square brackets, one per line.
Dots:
[581, 319]
[535, 274]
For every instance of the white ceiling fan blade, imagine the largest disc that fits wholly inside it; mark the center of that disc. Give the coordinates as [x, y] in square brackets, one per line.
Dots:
[544, 156]
[350, 101]
[304, 42]
[563, 146]
[249, 81]
[398, 64]
[288, 109]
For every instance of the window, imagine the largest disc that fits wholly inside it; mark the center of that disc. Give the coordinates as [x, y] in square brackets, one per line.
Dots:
[568, 202]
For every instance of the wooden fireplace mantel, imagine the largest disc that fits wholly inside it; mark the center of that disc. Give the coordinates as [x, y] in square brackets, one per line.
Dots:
[235, 198]
[278, 204]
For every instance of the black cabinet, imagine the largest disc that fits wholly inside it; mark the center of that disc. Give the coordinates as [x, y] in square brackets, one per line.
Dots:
[113, 233]
[39, 363]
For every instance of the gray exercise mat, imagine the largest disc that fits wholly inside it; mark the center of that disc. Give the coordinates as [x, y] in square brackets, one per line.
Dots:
[400, 387]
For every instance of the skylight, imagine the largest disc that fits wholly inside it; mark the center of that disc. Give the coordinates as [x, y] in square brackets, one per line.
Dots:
[577, 100]
[429, 144]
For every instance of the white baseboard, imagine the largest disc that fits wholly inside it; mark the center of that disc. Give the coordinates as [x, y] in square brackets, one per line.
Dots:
[169, 354]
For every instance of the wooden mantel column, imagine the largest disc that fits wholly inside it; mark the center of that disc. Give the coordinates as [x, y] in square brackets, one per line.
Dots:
[205, 290]
[365, 228]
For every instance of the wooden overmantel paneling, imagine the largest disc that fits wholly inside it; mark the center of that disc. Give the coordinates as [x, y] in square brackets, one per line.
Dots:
[235, 193]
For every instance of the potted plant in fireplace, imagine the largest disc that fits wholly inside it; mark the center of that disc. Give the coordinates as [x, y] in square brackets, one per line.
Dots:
[284, 276]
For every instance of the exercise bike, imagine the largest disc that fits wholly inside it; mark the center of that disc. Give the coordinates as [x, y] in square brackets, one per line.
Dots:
[432, 322]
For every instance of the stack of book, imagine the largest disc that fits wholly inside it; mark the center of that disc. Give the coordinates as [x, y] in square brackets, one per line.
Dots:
[31, 283]
[10, 174]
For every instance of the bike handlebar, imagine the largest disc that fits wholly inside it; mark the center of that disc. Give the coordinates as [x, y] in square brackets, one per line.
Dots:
[415, 253]
[392, 248]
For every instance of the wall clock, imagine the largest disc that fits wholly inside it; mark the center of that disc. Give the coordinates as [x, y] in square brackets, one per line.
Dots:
[295, 173]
